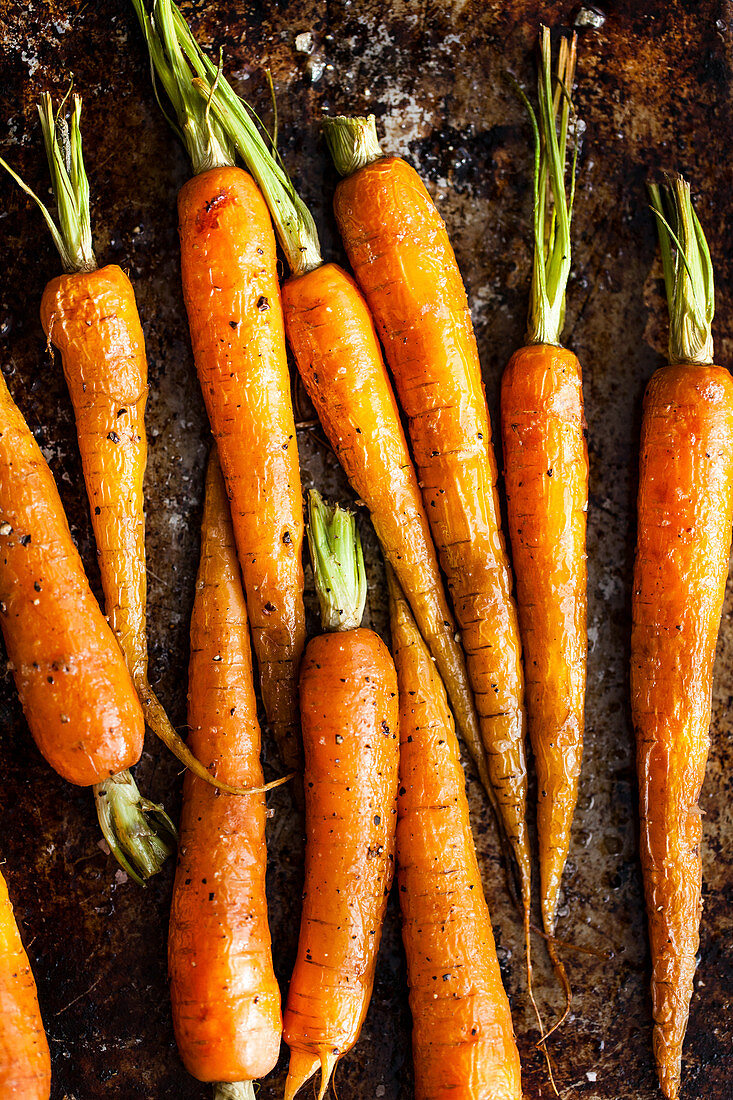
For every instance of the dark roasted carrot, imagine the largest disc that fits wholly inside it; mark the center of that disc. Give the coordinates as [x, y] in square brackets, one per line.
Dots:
[462, 1037]
[76, 692]
[685, 510]
[349, 714]
[25, 1063]
[232, 295]
[226, 1001]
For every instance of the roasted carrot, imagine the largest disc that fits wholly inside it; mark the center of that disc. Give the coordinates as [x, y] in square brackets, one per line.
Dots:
[349, 714]
[25, 1063]
[685, 510]
[232, 296]
[337, 354]
[546, 478]
[226, 1000]
[462, 1038]
[77, 695]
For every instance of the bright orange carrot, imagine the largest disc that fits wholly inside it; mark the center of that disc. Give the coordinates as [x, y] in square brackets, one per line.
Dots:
[337, 354]
[76, 692]
[546, 476]
[462, 1039]
[349, 714]
[25, 1063]
[232, 295]
[226, 1001]
[683, 547]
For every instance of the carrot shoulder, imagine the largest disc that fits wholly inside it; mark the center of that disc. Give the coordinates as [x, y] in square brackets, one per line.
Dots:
[463, 1040]
[226, 1001]
[25, 1063]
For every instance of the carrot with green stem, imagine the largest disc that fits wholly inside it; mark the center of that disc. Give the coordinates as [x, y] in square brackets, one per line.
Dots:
[232, 296]
[685, 511]
[25, 1062]
[462, 1038]
[338, 356]
[225, 998]
[349, 715]
[546, 478]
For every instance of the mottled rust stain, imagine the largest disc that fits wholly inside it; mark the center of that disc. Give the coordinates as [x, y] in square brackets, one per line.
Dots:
[654, 90]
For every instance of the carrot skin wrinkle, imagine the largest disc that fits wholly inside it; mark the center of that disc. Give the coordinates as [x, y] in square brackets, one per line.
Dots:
[76, 691]
[349, 714]
[225, 998]
[232, 295]
[463, 1040]
[685, 511]
[25, 1063]
[546, 477]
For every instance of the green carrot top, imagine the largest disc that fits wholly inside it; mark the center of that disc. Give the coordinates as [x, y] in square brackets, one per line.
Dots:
[338, 564]
[688, 272]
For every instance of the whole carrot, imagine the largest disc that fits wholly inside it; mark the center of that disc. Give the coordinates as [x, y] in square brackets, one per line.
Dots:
[337, 353]
[546, 477]
[232, 296]
[226, 1001]
[462, 1038]
[77, 695]
[25, 1063]
[349, 714]
[685, 510]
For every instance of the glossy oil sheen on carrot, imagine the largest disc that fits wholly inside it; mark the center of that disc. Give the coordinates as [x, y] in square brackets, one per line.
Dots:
[232, 295]
[463, 1040]
[76, 691]
[349, 713]
[546, 477]
[25, 1064]
[225, 998]
[399, 249]
[685, 510]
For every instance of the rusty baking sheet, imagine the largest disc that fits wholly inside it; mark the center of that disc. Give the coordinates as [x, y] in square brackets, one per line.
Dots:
[654, 87]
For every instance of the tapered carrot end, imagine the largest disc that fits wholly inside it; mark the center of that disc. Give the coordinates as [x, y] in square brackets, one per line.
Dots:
[301, 1068]
[668, 1056]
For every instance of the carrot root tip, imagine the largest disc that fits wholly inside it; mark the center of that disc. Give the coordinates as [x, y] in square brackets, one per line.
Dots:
[140, 834]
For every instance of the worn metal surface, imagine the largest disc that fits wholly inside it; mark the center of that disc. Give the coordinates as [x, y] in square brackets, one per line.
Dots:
[654, 88]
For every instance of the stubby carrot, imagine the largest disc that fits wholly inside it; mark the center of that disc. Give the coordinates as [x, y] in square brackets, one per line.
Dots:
[25, 1063]
[462, 1039]
[226, 1000]
[77, 695]
[685, 510]
[337, 353]
[349, 715]
[546, 477]
[232, 296]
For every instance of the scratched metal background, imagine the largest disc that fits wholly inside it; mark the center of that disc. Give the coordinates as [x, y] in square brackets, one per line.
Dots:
[654, 89]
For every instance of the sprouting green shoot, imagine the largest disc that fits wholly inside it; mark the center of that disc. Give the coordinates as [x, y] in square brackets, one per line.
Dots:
[688, 272]
[338, 564]
[552, 204]
[206, 143]
[73, 234]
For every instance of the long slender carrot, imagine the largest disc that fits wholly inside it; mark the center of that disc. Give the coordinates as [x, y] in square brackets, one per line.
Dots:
[349, 715]
[77, 695]
[25, 1063]
[546, 477]
[462, 1039]
[226, 1001]
[232, 295]
[685, 510]
[337, 353]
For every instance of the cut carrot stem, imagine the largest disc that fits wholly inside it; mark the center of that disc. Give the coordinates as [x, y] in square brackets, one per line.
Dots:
[225, 998]
[685, 511]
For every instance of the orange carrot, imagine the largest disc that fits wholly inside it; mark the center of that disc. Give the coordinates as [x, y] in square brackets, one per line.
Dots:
[349, 713]
[76, 692]
[232, 295]
[683, 547]
[546, 476]
[226, 1001]
[462, 1039]
[25, 1063]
